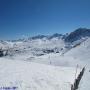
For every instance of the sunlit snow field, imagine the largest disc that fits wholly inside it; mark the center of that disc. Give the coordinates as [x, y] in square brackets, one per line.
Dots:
[53, 71]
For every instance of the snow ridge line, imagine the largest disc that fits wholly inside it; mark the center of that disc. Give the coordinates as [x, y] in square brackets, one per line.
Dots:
[77, 81]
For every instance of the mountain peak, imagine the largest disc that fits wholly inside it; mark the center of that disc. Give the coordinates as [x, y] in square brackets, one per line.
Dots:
[78, 34]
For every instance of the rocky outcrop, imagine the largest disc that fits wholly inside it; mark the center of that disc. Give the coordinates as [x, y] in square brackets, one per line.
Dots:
[77, 80]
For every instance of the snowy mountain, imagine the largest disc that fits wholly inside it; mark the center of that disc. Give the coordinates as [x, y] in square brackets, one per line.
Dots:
[78, 34]
[56, 35]
[46, 62]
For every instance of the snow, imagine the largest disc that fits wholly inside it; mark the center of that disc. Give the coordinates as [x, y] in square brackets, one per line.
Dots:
[34, 76]
[81, 55]
[85, 82]
[53, 71]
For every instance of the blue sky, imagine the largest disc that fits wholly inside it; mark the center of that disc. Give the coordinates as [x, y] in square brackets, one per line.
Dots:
[20, 18]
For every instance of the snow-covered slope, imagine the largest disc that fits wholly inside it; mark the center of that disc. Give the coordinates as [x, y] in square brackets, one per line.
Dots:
[81, 55]
[46, 63]
[32, 76]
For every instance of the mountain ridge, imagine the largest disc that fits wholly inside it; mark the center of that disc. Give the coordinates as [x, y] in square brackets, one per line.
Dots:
[73, 36]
